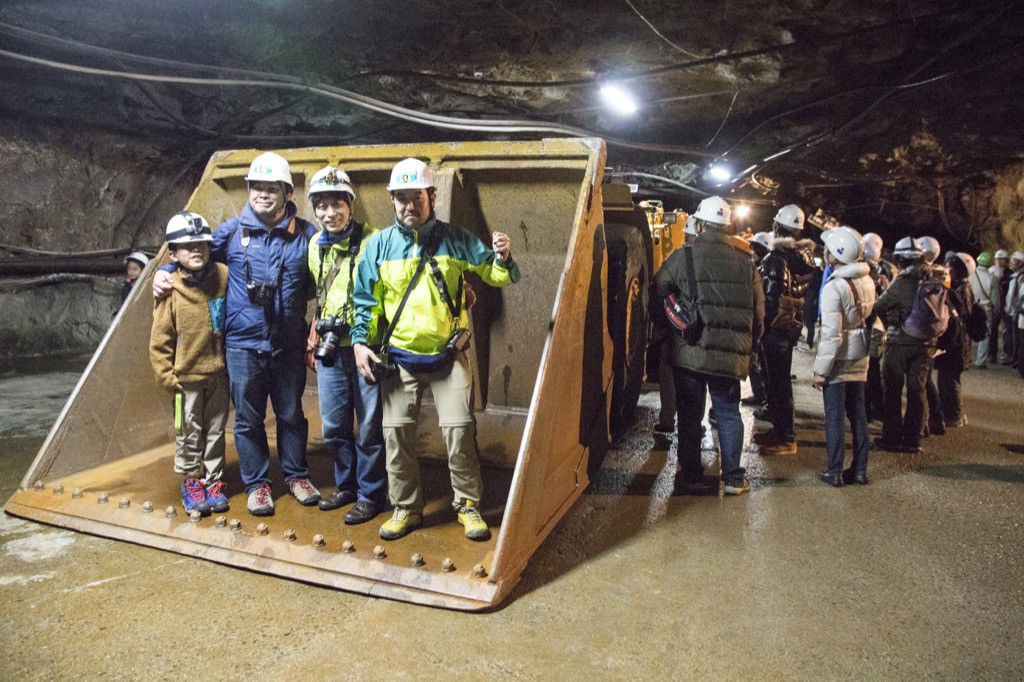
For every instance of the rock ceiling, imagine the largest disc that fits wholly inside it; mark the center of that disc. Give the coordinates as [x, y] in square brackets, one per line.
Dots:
[873, 104]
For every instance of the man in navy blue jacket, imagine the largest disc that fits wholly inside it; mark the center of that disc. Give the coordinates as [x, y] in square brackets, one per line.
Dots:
[265, 249]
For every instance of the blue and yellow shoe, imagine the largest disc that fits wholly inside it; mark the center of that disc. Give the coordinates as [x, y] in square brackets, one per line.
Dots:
[401, 523]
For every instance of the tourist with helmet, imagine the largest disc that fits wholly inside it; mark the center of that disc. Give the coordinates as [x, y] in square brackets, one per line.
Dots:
[134, 263]
[1014, 310]
[186, 349]
[985, 294]
[266, 250]
[334, 254]
[880, 276]
[934, 422]
[786, 272]
[907, 357]
[1001, 274]
[421, 261]
[950, 364]
[841, 364]
[713, 284]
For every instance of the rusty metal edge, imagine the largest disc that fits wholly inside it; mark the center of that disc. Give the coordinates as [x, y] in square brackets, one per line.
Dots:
[257, 564]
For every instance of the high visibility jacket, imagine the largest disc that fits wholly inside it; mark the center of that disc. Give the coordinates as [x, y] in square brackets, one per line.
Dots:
[387, 267]
[327, 253]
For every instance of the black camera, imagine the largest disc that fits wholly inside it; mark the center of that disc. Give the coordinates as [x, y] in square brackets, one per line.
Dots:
[261, 293]
[385, 368]
[458, 341]
[331, 331]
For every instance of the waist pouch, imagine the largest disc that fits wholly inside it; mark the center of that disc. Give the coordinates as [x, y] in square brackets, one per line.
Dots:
[787, 323]
[416, 363]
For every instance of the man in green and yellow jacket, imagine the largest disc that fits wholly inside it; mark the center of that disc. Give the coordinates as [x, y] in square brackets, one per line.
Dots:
[334, 252]
[426, 258]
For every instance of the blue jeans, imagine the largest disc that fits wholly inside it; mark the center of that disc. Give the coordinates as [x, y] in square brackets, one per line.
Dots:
[691, 388]
[256, 376]
[358, 462]
[845, 397]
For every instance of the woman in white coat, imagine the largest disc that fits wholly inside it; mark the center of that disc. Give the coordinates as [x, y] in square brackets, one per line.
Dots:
[841, 364]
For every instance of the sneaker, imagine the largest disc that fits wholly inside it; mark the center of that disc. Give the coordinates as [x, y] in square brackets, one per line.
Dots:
[401, 523]
[260, 502]
[737, 487]
[216, 498]
[834, 480]
[303, 491]
[476, 527]
[778, 449]
[193, 496]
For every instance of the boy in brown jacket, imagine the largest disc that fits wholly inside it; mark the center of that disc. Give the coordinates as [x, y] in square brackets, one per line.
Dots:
[186, 348]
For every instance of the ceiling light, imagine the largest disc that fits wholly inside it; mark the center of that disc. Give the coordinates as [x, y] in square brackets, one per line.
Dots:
[618, 100]
[719, 172]
[742, 211]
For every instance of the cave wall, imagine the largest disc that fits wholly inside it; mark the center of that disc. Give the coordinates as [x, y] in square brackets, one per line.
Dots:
[81, 190]
[72, 191]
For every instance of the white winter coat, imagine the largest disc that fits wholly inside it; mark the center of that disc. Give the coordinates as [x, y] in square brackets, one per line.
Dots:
[843, 348]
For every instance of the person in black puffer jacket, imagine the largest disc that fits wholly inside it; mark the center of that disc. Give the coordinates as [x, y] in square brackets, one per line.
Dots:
[786, 272]
[957, 346]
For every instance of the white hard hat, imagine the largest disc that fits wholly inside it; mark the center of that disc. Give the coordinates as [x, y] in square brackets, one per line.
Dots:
[765, 239]
[1017, 255]
[791, 217]
[138, 257]
[1001, 253]
[330, 179]
[908, 248]
[969, 261]
[270, 167]
[188, 227]
[930, 248]
[411, 174]
[872, 247]
[691, 226]
[845, 243]
[714, 210]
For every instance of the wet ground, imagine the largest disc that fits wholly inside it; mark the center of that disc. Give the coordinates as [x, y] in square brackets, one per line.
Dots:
[920, 574]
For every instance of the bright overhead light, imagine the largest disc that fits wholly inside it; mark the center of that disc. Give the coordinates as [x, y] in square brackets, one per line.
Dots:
[742, 211]
[618, 100]
[720, 172]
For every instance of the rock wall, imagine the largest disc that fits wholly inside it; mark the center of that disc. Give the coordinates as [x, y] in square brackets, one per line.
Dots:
[75, 190]
[56, 319]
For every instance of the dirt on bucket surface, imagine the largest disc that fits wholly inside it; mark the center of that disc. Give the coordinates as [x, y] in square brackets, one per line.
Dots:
[918, 573]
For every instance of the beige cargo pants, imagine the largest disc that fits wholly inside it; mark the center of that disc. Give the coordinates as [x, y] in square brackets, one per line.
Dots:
[199, 448]
[452, 390]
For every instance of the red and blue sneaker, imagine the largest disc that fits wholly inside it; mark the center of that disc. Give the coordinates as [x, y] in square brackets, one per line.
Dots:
[216, 498]
[193, 496]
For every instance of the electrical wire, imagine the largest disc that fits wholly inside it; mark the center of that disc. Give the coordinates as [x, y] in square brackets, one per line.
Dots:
[659, 34]
[682, 66]
[722, 125]
[369, 103]
[660, 178]
[47, 280]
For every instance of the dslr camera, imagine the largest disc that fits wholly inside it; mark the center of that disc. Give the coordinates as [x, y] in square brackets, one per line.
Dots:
[331, 331]
[261, 293]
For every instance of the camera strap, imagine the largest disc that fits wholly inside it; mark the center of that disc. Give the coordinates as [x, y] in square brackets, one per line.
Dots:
[426, 253]
[442, 289]
[245, 239]
[323, 286]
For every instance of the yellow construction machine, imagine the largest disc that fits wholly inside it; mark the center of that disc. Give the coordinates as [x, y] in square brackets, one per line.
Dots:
[558, 363]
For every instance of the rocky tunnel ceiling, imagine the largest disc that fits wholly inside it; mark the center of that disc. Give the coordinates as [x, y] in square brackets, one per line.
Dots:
[889, 115]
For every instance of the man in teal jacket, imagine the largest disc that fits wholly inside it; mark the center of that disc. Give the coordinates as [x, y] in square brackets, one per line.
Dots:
[432, 316]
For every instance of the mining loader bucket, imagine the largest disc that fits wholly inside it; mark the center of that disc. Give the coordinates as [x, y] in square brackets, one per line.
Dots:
[541, 357]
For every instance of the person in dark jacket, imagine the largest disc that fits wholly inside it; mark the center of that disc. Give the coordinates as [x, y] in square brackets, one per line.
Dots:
[906, 359]
[873, 391]
[811, 299]
[266, 251]
[950, 364]
[786, 272]
[731, 305]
